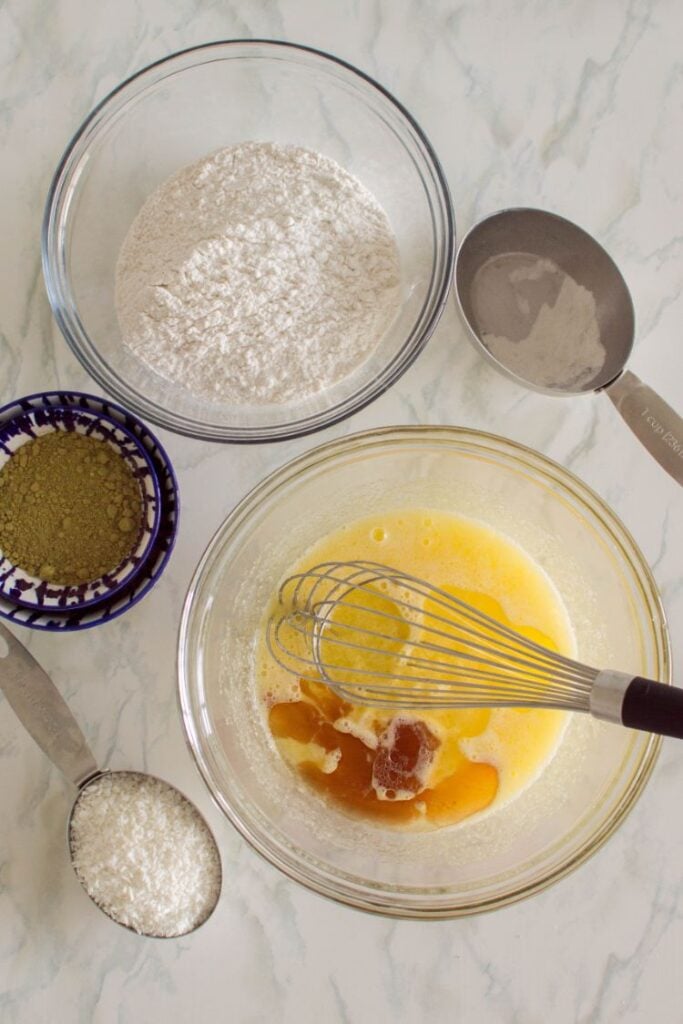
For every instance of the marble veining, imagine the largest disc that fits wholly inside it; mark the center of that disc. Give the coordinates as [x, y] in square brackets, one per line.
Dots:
[575, 107]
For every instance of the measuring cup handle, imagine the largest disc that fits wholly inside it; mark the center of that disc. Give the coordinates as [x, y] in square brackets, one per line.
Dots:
[42, 711]
[654, 423]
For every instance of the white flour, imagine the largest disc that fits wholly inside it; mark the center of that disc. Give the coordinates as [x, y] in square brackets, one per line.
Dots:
[261, 273]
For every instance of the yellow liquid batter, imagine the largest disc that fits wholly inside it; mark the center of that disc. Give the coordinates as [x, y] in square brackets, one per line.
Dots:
[431, 768]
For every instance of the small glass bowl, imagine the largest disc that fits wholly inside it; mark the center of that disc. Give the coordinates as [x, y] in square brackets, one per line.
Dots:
[598, 771]
[194, 103]
[150, 568]
[32, 592]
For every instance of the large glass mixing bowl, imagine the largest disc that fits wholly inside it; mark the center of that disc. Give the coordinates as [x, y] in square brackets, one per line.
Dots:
[598, 771]
[191, 104]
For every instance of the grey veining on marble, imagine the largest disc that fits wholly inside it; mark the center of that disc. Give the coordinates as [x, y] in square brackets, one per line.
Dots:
[574, 106]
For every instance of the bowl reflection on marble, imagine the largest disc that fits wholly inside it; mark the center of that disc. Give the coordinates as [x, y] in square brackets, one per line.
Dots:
[598, 770]
[193, 103]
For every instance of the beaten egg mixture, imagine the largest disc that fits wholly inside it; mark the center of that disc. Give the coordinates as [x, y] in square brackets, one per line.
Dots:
[429, 768]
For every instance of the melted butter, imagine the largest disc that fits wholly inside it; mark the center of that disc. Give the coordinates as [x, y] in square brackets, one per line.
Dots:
[437, 767]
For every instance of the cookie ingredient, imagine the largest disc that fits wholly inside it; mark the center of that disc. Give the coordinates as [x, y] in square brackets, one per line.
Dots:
[259, 274]
[70, 508]
[144, 854]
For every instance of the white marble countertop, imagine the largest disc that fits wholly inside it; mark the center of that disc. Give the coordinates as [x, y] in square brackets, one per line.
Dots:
[577, 107]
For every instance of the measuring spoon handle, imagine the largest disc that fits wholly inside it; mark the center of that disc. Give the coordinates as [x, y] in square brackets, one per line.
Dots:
[652, 420]
[42, 710]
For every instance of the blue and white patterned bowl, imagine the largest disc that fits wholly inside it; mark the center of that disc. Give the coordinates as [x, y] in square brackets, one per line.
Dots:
[153, 566]
[24, 589]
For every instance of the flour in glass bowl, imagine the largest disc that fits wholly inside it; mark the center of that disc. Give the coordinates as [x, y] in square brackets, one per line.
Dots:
[259, 274]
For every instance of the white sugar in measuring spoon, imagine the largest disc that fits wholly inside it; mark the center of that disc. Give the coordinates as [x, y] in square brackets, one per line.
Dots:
[46, 716]
[549, 308]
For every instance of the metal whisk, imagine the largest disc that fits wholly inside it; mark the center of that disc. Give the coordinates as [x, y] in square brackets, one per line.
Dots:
[379, 636]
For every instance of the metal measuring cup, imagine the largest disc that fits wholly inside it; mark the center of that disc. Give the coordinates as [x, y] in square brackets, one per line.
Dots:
[46, 716]
[509, 239]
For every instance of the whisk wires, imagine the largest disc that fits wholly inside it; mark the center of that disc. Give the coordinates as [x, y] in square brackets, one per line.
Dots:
[380, 636]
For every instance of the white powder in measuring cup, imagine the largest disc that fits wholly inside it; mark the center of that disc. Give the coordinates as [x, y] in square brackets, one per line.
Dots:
[538, 321]
[260, 274]
[144, 854]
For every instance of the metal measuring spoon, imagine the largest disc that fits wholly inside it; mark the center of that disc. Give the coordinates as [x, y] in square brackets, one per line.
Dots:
[46, 716]
[517, 269]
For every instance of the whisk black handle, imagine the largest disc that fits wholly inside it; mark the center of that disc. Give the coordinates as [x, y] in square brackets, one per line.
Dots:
[638, 703]
[654, 707]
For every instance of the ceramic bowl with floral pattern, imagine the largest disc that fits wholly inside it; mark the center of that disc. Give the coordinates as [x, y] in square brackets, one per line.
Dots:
[158, 548]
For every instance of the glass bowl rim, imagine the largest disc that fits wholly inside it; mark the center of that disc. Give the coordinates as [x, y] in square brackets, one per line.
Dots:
[339, 886]
[57, 211]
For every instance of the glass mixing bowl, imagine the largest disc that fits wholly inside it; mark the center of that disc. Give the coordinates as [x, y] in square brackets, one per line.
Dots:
[599, 769]
[191, 104]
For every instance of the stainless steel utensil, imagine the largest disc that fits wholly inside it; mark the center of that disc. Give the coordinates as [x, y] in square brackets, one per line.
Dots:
[379, 636]
[46, 716]
[511, 268]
